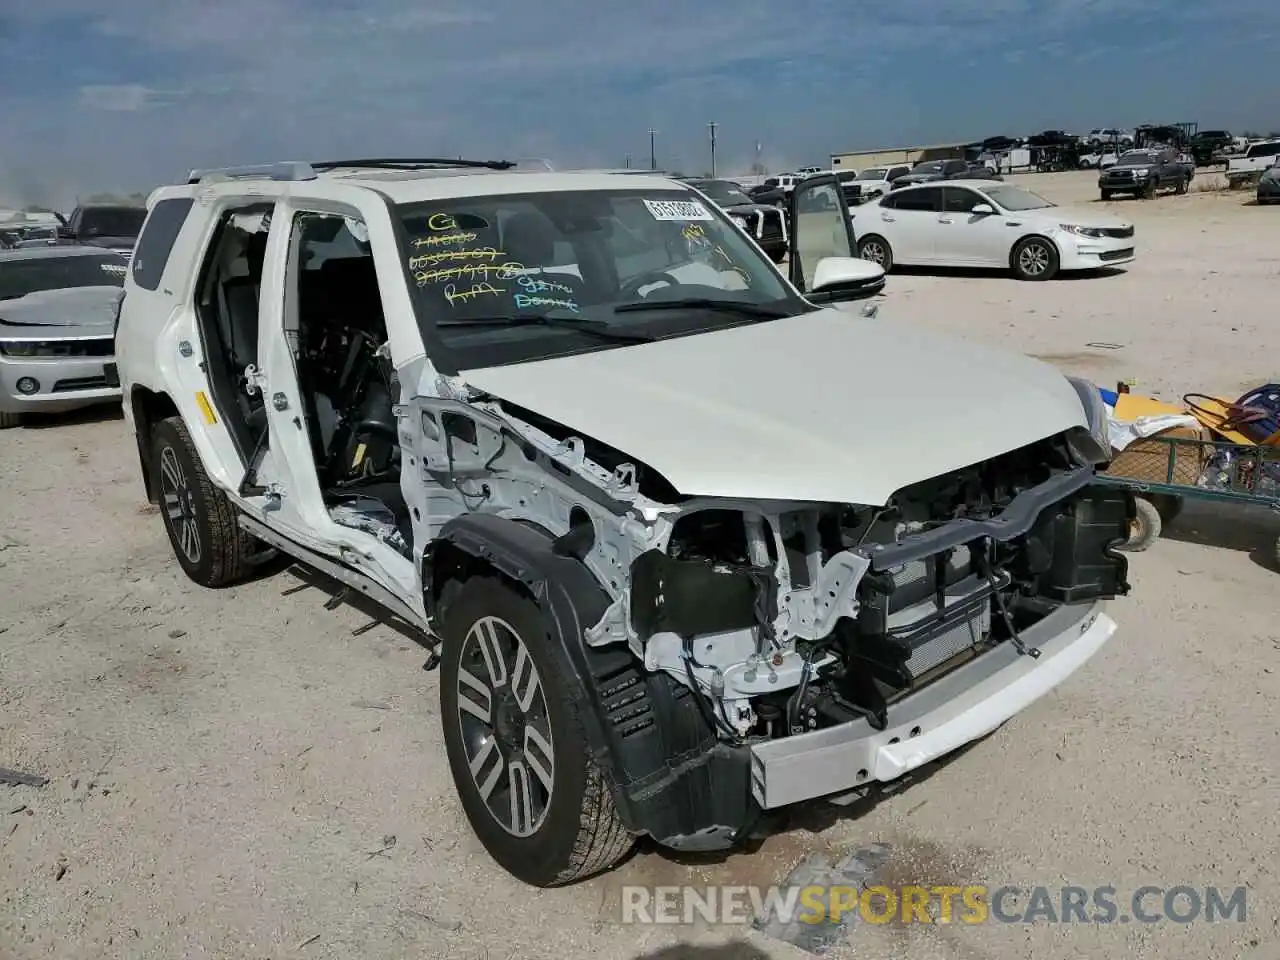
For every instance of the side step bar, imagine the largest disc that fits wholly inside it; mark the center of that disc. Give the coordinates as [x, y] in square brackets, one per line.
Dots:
[344, 575]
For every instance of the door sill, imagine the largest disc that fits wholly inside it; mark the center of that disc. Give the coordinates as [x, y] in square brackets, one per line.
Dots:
[339, 571]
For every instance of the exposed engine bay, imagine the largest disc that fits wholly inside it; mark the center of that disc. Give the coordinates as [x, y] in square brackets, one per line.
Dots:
[783, 618]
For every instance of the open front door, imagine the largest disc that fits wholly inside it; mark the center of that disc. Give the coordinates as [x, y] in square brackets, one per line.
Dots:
[823, 265]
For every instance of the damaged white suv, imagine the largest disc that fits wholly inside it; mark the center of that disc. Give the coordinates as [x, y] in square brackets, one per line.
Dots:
[693, 546]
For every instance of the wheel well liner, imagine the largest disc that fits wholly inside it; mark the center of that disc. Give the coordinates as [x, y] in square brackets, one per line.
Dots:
[148, 408]
[669, 775]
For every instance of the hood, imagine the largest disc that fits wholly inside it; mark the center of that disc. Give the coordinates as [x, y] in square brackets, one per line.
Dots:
[1081, 217]
[830, 406]
[112, 243]
[748, 208]
[75, 311]
[1145, 164]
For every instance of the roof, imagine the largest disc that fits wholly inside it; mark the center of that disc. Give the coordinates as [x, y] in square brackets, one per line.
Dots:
[931, 146]
[413, 185]
[58, 252]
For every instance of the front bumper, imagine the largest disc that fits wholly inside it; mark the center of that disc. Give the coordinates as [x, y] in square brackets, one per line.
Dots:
[1089, 253]
[66, 383]
[958, 708]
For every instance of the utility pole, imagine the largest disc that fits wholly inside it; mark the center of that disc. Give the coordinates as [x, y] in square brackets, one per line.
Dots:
[628, 161]
[711, 127]
[653, 150]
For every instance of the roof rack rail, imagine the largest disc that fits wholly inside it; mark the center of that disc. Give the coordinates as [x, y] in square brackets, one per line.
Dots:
[286, 170]
[411, 163]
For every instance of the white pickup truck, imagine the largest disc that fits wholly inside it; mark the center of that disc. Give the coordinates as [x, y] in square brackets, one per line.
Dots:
[1256, 159]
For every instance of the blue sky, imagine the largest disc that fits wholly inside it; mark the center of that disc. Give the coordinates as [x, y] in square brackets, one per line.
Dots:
[127, 94]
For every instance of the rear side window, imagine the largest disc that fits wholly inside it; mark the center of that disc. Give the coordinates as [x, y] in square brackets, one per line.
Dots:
[156, 243]
[926, 198]
[1264, 149]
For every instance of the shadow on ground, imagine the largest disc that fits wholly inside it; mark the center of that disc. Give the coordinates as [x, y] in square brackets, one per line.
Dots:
[975, 273]
[47, 421]
[736, 950]
[1244, 528]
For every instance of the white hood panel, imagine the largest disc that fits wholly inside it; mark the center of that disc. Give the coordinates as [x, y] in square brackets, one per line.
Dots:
[831, 406]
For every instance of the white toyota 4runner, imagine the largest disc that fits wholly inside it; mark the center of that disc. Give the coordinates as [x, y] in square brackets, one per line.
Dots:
[691, 545]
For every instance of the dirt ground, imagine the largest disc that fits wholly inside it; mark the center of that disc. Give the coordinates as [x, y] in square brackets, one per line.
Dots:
[240, 774]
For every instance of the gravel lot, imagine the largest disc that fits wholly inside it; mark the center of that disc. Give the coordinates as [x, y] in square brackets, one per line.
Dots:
[239, 774]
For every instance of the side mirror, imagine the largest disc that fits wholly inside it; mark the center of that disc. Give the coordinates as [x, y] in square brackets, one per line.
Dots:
[820, 229]
[845, 278]
[982, 210]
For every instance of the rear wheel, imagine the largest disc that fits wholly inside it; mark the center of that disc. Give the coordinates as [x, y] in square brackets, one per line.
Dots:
[876, 249]
[201, 522]
[1034, 258]
[519, 756]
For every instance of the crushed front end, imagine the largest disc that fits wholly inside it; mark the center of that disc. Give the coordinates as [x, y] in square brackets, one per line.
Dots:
[832, 646]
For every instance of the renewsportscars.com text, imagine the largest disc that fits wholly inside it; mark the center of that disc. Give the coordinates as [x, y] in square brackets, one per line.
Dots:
[972, 904]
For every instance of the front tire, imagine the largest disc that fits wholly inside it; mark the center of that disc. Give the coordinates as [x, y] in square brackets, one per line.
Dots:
[517, 750]
[1182, 186]
[1034, 258]
[876, 248]
[1106, 195]
[778, 255]
[207, 541]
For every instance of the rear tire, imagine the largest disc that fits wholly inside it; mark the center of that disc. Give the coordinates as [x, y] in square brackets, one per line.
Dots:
[777, 256]
[201, 522]
[507, 704]
[876, 248]
[1034, 258]
[1145, 528]
[8, 420]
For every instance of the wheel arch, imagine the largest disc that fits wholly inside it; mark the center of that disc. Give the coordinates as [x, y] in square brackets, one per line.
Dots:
[1033, 235]
[669, 775]
[148, 407]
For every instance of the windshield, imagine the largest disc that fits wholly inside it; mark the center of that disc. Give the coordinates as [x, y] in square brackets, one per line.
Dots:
[21, 277]
[112, 221]
[578, 256]
[928, 166]
[874, 173]
[1137, 156]
[724, 192]
[1016, 198]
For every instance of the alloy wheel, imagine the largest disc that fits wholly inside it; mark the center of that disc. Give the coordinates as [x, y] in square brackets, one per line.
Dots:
[1033, 259]
[506, 727]
[179, 504]
[873, 251]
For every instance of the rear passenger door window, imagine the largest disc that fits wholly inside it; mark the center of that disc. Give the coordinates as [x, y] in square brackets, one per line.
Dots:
[159, 233]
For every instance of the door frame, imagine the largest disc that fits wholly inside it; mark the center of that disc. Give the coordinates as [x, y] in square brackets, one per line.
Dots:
[299, 512]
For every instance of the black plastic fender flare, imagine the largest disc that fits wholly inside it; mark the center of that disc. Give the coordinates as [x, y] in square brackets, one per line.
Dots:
[572, 600]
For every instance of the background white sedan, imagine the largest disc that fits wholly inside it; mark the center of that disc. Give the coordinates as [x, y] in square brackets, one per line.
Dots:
[980, 223]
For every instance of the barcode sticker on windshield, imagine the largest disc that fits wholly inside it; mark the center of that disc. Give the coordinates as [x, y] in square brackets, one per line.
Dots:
[117, 269]
[677, 210]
